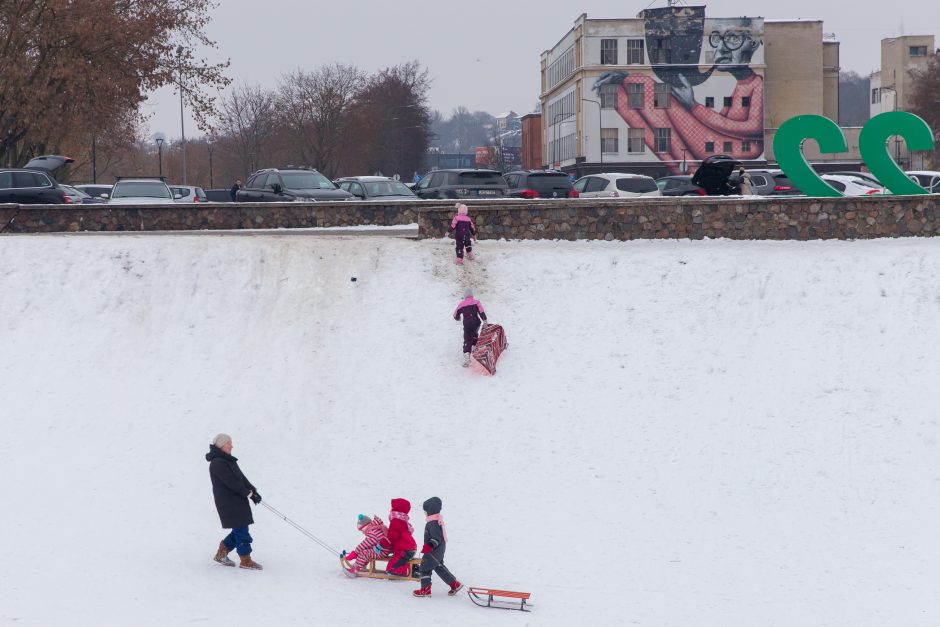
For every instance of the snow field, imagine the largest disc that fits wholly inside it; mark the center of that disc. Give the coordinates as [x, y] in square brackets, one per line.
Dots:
[680, 433]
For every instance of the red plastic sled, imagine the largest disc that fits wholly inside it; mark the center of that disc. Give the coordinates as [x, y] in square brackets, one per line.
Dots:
[490, 346]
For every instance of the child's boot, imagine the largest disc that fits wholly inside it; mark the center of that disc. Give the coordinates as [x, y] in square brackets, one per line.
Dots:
[466, 359]
[459, 261]
[424, 591]
[470, 255]
[455, 588]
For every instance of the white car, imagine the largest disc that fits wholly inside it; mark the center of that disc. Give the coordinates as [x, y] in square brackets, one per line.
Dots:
[616, 185]
[141, 192]
[928, 179]
[852, 185]
[188, 193]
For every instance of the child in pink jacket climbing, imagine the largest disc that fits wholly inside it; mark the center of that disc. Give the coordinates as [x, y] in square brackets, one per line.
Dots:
[463, 229]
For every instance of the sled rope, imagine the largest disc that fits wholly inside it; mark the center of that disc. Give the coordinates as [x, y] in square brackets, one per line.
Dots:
[302, 530]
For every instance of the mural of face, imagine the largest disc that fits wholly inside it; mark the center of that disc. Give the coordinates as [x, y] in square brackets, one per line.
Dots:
[734, 41]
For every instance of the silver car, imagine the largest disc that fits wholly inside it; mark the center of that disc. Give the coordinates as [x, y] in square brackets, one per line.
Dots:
[141, 192]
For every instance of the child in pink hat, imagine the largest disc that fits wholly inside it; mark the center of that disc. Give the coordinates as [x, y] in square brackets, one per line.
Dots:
[463, 229]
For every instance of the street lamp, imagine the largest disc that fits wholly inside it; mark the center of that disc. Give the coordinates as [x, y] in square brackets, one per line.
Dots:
[894, 107]
[179, 53]
[159, 138]
[209, 148]
[600, 124]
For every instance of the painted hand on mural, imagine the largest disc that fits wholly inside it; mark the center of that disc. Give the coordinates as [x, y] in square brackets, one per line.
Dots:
[684, 92]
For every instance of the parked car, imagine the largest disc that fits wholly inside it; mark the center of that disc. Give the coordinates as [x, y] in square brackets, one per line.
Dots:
[679, 185]
[35, 183]
[78, 197]
[218, 195]
[289, 185]
[540, 184]
[927, 179]
[868, 176]
[771, 183]
[141, 191]
[375, 188]
[616, 185]
[462, 184]
[852, 185]
[95, 190]
[188, 194]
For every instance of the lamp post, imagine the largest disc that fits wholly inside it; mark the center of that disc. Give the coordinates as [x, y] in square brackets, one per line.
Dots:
[894, 107]
[209, 148]
[179, 53]
[159, 138]
[600, 124]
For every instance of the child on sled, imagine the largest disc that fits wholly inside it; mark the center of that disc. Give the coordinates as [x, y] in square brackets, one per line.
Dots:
[375, 531]
[463, 229]
[398, 541]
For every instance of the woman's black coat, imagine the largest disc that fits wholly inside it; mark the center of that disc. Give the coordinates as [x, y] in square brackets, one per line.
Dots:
[230, 489]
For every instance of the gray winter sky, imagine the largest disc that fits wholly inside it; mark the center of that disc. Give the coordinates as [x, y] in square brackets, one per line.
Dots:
[484, 54]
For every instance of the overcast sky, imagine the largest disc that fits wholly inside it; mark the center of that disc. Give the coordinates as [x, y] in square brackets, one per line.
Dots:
[484, 54]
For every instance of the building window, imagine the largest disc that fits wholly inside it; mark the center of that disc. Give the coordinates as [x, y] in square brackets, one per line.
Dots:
[918, 51]
[709, 147]
[608, 96]
[661, 95]
[609, 140]
[663, 139]
[728, 101]
[727, 147]
[710, 102]
[745, 101]
[608, 52]
[661, 52]
[635, 52]
[635, 94]
[746, 146]
[875, 95]
[635, 137]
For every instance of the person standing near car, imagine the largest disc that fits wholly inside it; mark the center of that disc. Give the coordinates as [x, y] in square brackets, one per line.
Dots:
[234, 191]
[745, 188]
[232, 490]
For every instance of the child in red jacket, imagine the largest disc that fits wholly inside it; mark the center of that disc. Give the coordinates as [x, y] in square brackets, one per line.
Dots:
[399, 541]
[375, 531]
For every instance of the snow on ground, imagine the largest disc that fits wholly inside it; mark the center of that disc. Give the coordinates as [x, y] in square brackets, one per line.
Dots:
[681, 433]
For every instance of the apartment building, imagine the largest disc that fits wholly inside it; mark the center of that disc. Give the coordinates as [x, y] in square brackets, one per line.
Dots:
[660, 92]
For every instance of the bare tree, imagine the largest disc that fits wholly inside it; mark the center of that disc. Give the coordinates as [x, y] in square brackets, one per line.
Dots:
[247, 123]
[314, 107]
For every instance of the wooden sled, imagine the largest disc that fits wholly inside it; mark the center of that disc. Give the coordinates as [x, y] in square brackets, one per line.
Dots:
[490, 346]
[500, 599]
[372, 572]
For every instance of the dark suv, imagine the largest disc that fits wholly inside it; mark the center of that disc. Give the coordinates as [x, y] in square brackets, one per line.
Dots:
[540, 184]
[462, 184]
[289, 184]
[34, 184]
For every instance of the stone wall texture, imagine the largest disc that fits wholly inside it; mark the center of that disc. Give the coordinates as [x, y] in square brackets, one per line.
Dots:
[688, 217]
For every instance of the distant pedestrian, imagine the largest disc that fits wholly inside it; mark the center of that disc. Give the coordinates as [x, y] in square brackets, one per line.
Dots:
[232, 491]
[234, 191]
[745, 186]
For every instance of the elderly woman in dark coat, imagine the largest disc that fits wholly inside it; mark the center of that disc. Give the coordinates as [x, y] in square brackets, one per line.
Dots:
[232, 490]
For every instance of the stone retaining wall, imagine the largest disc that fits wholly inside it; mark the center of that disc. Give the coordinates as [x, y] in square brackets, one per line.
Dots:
[686, 217]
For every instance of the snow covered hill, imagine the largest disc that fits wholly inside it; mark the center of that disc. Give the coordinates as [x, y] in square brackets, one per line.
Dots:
[680, 433]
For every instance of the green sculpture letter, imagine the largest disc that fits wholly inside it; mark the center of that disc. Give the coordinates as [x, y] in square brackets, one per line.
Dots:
[872, 143]
[788, 149]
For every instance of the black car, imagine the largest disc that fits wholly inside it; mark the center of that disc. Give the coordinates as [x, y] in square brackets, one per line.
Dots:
[34, 184]
[679, 185]
[219, 195]
[289, 184]
[540, 184]
[462, 184]
[714, 175]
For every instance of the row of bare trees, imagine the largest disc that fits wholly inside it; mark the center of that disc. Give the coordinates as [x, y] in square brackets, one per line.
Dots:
[334, 118]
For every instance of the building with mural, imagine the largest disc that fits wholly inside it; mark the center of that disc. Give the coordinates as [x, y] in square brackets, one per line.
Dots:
[660, 92]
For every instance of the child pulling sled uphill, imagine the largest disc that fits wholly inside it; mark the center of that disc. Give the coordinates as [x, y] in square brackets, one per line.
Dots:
[398, 541]
[375, 531]
[435, 543]
[463, 229]
[472, 311]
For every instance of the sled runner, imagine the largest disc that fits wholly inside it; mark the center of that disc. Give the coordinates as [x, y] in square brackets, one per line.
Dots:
[490, 346]
[500, 599]
[372, 572]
